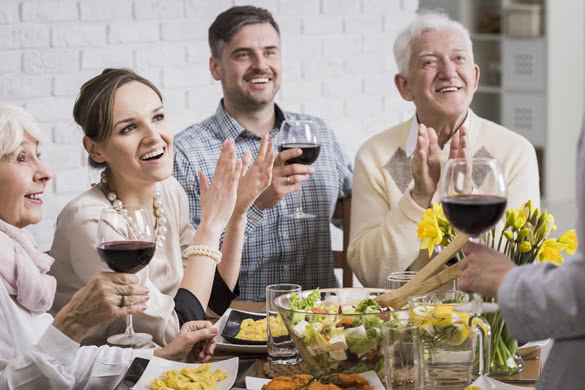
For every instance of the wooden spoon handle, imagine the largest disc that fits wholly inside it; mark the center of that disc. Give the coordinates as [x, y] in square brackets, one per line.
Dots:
[410, 288]
[430, 284]
[438, 261]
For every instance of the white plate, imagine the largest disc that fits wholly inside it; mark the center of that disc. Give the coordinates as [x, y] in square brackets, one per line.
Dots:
[224, 345]
[157, 366]
[253, 383]
[486, 383]
[531, 346]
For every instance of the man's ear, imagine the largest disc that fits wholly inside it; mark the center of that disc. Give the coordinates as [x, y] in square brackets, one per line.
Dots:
[476, 74]
[402, 86]
[92, 148]
[215, 68]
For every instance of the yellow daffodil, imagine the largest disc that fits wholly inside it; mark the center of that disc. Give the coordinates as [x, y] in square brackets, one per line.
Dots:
[521, 217]
[550, 251]
[531, 210]
[525, 247]
[550, 221]
[570, 238]
[510, 217]
[509, 234]
[524, 233]
[429, 231]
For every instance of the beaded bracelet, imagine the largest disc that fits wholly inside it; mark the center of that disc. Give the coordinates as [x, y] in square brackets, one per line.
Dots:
[201, 250]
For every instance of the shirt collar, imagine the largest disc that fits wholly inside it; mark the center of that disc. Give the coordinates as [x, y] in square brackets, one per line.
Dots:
[413, 134]
[231, 128]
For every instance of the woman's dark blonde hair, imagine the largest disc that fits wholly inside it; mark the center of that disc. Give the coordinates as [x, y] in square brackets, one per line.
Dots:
[93, 109]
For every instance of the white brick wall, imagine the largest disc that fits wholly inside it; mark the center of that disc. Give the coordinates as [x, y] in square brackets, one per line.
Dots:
[337, 56]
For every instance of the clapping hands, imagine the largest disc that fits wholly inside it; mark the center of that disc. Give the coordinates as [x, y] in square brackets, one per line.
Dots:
[426, 164]
[255, 179]
[218, 199]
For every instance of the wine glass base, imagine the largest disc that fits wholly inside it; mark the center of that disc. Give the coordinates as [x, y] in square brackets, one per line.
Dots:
[128, 341]
[299, 216]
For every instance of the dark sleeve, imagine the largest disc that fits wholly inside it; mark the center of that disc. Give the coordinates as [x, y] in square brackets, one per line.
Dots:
[221, 296]
[188, 307]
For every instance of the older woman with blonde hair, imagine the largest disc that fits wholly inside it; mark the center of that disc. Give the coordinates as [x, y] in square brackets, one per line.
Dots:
[38, 351]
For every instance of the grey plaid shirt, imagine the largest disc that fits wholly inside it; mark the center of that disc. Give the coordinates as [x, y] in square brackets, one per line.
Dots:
[276, 250]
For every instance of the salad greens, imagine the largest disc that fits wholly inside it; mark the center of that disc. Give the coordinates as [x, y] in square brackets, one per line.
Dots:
[336, 337]
[305, 304]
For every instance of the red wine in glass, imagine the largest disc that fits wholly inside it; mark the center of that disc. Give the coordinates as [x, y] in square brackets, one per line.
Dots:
[126, 256]
[126, 243]
[299, 134]
[309, 156]
[474, 214]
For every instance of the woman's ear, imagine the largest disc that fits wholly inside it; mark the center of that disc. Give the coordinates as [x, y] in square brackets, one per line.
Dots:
[93, 149]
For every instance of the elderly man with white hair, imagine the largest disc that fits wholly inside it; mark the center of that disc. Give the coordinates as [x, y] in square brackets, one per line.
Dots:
[397, 171]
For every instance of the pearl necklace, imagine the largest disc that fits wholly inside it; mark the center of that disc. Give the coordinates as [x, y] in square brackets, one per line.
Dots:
[159, 211]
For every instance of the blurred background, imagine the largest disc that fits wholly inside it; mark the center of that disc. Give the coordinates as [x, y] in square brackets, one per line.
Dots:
[338, 64]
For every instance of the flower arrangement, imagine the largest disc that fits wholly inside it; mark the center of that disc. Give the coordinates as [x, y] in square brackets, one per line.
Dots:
[524, 239]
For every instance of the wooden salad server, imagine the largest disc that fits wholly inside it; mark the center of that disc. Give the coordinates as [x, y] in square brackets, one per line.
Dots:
[427, 278]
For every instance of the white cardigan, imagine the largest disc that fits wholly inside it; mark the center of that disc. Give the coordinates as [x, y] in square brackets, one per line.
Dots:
[35, 355]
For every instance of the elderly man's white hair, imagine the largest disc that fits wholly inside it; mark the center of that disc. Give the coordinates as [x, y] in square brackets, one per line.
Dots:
[14, 121]
[425, 21]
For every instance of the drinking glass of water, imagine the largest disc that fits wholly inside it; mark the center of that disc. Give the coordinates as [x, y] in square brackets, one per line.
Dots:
[281, 348]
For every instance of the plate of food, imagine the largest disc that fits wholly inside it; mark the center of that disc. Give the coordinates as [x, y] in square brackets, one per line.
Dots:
[167, 374]
[244, 327]
[364, 381]
[224, 344]
[486, 383]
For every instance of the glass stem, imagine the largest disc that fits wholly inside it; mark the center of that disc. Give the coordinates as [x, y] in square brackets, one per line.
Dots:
[129, 327]
[299, 209]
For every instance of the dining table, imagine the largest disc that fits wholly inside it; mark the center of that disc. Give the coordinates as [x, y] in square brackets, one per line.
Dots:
[527, 378]
[254, 364]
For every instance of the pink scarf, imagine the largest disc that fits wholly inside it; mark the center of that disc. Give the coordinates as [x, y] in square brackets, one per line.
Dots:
[23, 269]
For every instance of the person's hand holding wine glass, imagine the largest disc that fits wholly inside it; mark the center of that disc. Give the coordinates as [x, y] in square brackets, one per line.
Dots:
[298, 135]
[126, 243]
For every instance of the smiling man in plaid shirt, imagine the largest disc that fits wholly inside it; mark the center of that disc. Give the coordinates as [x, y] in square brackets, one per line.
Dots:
[245, 57]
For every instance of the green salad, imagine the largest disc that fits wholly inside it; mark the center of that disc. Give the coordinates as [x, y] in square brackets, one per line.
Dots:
[338, 338]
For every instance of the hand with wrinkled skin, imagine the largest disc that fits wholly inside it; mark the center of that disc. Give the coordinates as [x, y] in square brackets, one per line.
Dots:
[426, 164]
[484, 269]
[195, 342]
[255, 179]
[218, 199]
[459, 146]
[285, 179]
[100, 301]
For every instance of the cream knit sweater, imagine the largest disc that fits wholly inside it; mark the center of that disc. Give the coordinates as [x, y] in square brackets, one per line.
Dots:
[384, 216]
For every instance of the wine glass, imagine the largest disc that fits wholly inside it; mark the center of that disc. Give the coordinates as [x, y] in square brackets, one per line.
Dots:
[299, 134]
[126, 243]
[473, 195]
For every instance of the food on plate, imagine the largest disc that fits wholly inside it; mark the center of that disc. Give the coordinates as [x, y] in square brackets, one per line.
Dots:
[334, 337]
[256, 330]
[476, 388]
[288, 382]
[328, 382]
[187, 378]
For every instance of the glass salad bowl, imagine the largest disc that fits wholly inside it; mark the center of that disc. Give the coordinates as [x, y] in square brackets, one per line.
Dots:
[337, 329]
